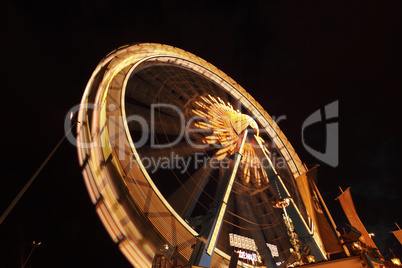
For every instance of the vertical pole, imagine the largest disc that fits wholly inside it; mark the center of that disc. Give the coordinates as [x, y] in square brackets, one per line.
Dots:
[204, 249]
[35, 245]
[222, 210]
[303, 231]
[287, 218]
[345, 248]
[233, 259]
[30, 253]
[31, 180]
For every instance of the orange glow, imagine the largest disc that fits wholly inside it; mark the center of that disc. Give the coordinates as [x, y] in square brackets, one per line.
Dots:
[311, 258]
[282, 203]
[356, 245]
[223, 125]
[94, 149]
[396, 261]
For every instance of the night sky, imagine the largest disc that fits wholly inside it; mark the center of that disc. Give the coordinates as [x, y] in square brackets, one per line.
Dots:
[293, 57]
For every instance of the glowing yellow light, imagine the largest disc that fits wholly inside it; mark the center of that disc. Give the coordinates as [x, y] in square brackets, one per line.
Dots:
[396, 261]
[356, 245]
[215, 233]
[226, 125]
[282, 203]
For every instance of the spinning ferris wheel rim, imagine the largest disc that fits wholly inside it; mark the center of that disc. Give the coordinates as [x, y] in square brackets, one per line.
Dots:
[104, 190]
[165, 51]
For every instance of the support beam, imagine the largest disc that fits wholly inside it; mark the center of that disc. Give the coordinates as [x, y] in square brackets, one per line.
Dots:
[191, 191]
[197, 193]
[301, 228]
[205, 246]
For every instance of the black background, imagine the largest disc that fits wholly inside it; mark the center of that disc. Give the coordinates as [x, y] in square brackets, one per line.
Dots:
[294, 57]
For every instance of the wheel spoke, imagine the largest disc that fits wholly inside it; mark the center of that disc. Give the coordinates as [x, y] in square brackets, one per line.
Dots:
[191, 191]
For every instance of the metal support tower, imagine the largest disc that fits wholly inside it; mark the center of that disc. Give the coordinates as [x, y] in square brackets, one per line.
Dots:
[303, 231]
[206, 243]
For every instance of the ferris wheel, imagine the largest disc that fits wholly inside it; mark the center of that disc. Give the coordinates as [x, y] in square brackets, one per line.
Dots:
[179, 160]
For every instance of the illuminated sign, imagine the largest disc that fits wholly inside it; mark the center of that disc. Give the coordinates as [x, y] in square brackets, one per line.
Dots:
[239, 241]
[247, 256]
[273, 249]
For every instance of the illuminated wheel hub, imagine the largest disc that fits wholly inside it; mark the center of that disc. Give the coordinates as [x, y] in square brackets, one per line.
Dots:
[223, 125]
